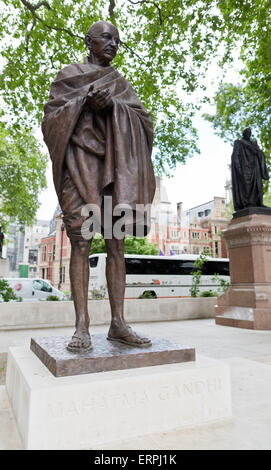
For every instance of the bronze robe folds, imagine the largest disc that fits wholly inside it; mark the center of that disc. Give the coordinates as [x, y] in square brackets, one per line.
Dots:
[248, 168]
[97, 153]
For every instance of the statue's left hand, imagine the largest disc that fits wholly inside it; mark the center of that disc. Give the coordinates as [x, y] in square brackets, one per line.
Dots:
[100, 99]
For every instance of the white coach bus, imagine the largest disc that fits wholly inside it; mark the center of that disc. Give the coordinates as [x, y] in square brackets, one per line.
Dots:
[163, 276]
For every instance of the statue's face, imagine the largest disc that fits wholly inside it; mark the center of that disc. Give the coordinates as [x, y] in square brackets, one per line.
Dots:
[247, 133]
[103, 42]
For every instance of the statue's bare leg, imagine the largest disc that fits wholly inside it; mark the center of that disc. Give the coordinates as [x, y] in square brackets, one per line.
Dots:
[116, 274]
[79, 277]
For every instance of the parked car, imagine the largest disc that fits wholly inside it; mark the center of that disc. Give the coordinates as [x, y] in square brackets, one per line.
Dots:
[30, 289]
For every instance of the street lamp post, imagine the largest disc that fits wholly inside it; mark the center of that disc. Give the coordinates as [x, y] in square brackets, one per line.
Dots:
[61, 249]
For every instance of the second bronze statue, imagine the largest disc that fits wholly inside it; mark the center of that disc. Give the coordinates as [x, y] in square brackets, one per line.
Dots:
[248, 169]
[99, 137]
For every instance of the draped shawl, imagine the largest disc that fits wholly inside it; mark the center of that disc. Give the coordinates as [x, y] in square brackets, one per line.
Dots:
[121, 137]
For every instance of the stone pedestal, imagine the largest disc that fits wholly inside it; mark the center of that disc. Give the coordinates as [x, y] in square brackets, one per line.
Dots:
[247, 303]
[4, 267]
[90, 410]
[106, 355]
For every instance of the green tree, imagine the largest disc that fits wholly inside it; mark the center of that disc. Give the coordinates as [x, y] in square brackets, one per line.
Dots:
[247, 103]
[22, 175]
[139, 246]
[165, 45]
[132, 245]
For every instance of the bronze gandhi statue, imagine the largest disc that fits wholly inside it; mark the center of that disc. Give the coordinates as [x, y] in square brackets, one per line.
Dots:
[99, 137]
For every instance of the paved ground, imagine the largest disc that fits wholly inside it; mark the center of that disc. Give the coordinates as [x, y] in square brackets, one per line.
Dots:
[247, 352]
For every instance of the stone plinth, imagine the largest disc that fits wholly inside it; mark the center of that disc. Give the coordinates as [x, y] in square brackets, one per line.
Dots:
[86, 411]
[106, 355]
[4, 267]
[247, 303]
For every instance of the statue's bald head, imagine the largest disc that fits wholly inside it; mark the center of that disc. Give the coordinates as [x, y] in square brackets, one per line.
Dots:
[102, 40]
[97, 27]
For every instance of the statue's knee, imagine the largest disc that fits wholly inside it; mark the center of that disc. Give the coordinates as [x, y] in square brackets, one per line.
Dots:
[81, 247]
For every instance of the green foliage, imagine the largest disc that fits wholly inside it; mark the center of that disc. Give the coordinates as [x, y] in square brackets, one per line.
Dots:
[52, 298]
[163, 44]
[97, 245]
[223, 284]
[208, 293]
[132, 245]
[22, 175]
[197, 273]
[6, 292]
[267, 199]
[148, 294]
[139, 246]
[248, 103]
[229, 210]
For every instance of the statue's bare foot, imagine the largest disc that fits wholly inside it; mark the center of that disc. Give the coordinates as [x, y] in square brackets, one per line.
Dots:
[81, 342]
[126, 335]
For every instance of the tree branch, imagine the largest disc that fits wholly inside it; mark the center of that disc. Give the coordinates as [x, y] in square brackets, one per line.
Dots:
[161, 20]
[33, 8]
[132, 51]
[111, 8]
[29, 33]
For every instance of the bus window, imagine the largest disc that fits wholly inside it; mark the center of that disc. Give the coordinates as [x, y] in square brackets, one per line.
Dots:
[216, 267]
[161, 266]
[93, 262]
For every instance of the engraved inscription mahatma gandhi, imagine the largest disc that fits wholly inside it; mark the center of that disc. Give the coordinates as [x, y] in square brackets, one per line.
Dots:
[99, 137]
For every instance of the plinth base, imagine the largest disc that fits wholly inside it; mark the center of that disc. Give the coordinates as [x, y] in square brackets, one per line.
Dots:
[106, 355]
[247, 302]
[243, 317]
[86, 411]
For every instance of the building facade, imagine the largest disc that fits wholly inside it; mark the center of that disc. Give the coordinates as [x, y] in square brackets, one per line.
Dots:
[22, 247]
[55, 251]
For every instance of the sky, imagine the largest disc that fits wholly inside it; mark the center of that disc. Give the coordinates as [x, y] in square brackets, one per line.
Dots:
[203, 176]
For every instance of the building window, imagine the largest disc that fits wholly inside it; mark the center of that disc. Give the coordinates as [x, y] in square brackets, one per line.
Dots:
[43, 273]
[33, 256]
[195, 235]
[43, 253]
[54, 252]
[174, 234]
[216, 249]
